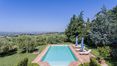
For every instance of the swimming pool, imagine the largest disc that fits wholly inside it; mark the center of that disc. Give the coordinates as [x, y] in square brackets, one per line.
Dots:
[59, 56]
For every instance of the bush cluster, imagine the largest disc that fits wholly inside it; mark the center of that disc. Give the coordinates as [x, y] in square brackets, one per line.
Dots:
[23, 62]
[104, 51]
[114, 53]
[85, 64]
[93, 62]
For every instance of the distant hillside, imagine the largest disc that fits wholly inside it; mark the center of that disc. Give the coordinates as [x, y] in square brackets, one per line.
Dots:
[26, 33]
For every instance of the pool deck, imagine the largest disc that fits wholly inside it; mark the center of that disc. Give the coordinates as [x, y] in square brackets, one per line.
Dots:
[81, 58]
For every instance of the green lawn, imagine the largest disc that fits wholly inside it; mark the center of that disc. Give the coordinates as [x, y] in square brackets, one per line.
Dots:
[12, 60]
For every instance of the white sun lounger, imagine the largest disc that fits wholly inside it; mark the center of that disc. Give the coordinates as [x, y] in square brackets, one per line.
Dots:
[78, 46]
[85, 52]
[79, 49]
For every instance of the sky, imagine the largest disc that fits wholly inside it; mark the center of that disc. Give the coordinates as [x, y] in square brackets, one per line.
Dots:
[46, 15]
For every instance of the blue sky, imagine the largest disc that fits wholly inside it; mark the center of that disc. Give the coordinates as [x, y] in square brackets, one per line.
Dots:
[45, 15]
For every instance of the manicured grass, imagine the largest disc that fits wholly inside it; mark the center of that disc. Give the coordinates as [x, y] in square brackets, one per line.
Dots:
[12, 60]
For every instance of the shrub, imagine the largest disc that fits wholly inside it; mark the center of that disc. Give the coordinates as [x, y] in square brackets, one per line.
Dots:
[93, 62]
[104, 51]
[23, 62]
[85, 64]
[114, 53]
[99, 58]
[33, 64]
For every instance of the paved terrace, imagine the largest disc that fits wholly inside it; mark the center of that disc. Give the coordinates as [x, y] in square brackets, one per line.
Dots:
[81, 58]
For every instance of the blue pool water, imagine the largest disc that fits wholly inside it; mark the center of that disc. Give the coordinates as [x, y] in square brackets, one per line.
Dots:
[59, 56]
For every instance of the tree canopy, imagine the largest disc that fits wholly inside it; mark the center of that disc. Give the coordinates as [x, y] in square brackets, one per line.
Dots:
[103, 28]
[75, 26]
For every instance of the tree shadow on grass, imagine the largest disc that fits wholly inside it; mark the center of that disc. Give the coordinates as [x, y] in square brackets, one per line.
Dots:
[11, 52]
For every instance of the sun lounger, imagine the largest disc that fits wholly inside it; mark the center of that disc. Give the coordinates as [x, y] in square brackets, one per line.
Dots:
[78, 46]
[79, 49]
[85, 52]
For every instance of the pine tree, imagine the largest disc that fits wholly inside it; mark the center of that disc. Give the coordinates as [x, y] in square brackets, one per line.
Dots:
[75, 26]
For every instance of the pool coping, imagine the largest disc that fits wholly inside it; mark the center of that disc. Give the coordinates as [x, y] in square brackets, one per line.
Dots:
[40, 56]
[74, 63]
